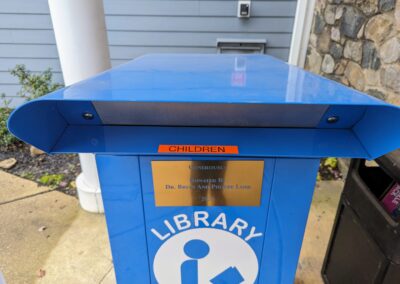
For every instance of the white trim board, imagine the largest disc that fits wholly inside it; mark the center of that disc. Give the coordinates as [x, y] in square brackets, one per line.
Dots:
[301, 32]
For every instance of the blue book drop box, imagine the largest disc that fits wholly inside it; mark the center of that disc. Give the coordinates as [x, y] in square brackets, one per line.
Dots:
[207, 163]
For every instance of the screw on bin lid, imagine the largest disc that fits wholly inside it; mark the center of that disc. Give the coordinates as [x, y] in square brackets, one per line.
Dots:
[261, 104]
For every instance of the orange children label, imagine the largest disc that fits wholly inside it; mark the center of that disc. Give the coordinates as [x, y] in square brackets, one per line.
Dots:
[198, 149]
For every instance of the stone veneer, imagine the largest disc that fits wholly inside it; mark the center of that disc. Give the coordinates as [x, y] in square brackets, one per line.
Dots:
[357, 42]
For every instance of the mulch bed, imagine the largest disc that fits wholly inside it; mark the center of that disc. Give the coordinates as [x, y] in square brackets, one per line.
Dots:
[68, 166]
[33, 168]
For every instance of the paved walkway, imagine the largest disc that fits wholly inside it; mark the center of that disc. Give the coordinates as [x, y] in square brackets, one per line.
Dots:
[318, 231]
[33, 219]
[46, 238]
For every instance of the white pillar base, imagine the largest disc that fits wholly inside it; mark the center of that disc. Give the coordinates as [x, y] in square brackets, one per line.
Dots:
[89, 196]
[80, 32]
[88, 185]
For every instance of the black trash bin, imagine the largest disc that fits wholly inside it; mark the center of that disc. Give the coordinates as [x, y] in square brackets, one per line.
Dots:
[365, 241]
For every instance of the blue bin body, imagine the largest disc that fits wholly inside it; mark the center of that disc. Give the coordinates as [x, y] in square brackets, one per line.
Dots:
[159, 108]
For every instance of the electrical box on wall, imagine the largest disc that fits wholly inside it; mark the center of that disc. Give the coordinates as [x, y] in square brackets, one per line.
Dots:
[243, 9]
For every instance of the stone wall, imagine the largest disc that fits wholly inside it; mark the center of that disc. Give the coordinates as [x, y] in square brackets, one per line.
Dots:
[357, 43]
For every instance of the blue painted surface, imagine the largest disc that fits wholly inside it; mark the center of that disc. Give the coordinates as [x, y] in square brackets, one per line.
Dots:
[201, 78]
[366, 129]
[123, 203]
[281, 218]
[282, 142]
[378, 130]
[52, 128]
[72, 112]
[155, 216]
[187, 80]
[231, 275]
[195, 250]
[292, 191]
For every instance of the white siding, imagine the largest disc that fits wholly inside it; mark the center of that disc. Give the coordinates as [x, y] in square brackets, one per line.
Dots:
[139, 27]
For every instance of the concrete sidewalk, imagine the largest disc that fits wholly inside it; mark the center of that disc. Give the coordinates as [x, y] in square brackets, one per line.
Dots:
[33, 219]
[46, 238]
[318, 231]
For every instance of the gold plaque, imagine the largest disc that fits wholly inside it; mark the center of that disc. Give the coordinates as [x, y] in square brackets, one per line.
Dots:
[207, 183]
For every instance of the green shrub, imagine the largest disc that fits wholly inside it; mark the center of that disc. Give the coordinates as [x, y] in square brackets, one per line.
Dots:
[331, 162]
[51, 180]
[32, 87]
[6, 138]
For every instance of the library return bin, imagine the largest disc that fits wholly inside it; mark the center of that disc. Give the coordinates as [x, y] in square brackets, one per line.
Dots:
[207, 163]
[365, 241]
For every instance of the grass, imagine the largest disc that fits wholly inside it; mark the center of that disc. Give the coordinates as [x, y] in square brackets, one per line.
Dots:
[52, 180]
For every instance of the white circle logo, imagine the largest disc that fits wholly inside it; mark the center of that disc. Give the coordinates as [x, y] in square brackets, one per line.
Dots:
[205, 255]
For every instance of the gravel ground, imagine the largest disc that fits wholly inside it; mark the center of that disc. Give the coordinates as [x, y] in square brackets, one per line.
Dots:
[64, 167]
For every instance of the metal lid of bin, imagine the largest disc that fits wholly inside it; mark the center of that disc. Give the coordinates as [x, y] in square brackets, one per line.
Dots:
[261, 104]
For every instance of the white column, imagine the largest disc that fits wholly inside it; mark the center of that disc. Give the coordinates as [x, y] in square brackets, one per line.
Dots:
[301, 32]
[80, 31]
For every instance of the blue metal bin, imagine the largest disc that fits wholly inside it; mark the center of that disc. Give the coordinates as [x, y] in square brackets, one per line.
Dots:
[207, 163]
